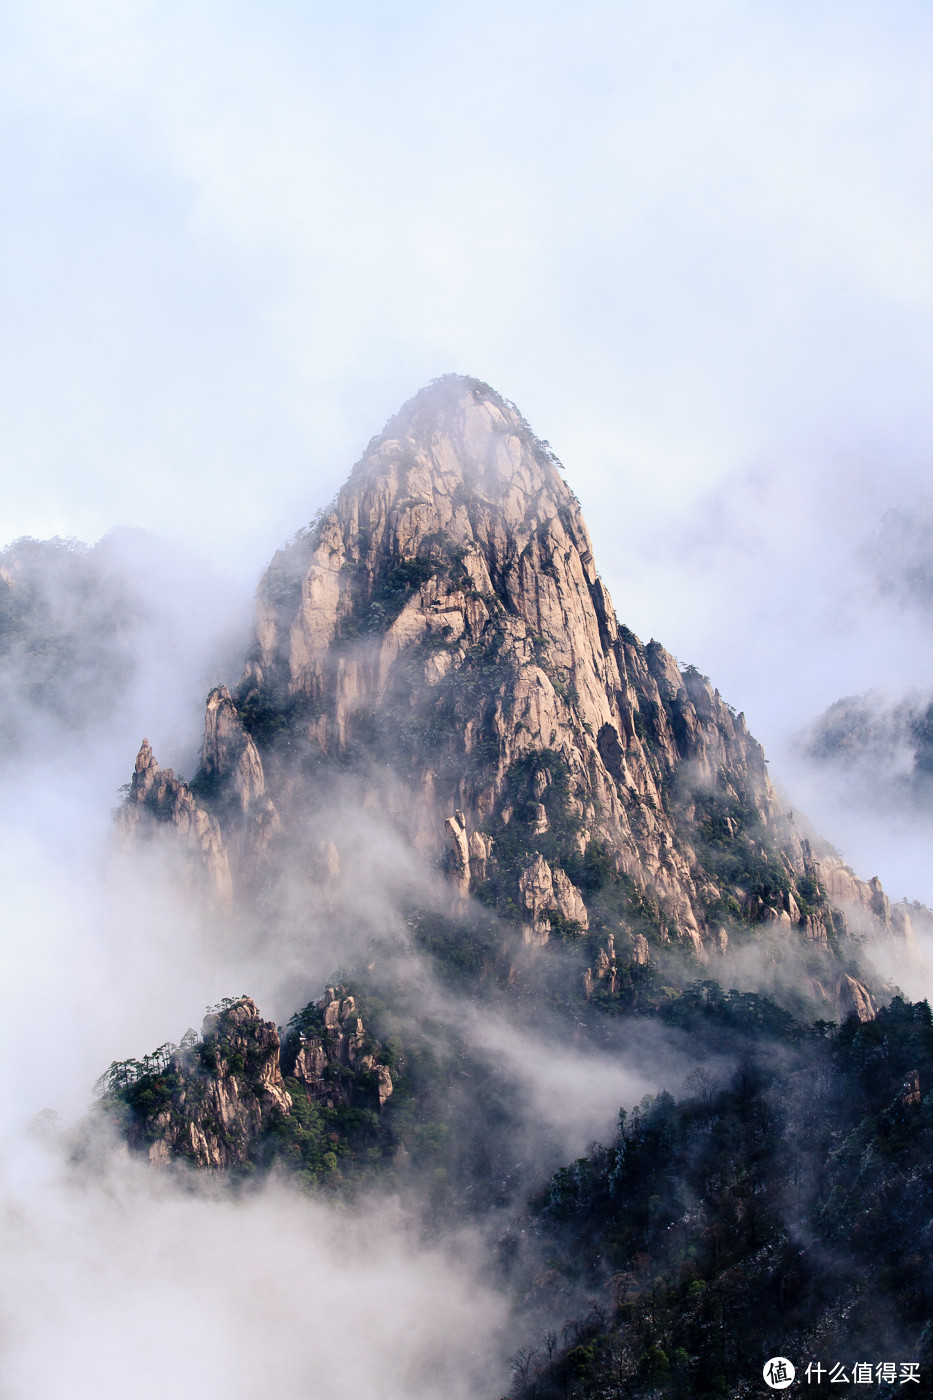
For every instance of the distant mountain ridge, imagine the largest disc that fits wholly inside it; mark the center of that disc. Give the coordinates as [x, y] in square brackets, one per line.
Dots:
[880, 744]
[68, 615]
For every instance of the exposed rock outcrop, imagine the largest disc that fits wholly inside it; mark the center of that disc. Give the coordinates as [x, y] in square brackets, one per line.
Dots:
[235, 1097]
[158, 800]
[213, 1101]
[852, 998]
[331, 1055]
[441, 633]
[445, 621]
[548, 897]
[229, 758]
[865, 907]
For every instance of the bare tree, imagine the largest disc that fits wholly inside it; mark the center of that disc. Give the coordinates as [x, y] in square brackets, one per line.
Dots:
[521, 1364]
[702, 1085]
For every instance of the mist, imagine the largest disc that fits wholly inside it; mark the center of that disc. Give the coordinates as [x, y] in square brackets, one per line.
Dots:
[148, 1282]
[108, 955]
[787, 587]
[693, 246]
[235, 247]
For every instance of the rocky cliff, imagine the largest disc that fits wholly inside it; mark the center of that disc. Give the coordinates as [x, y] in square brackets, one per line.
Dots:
[221, 1100]
[602, 869]
[210, 1101]
[442, 635]
[331, 1055]
[157, 801]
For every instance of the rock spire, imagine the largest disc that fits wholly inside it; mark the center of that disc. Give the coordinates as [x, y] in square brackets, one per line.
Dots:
[441, 632]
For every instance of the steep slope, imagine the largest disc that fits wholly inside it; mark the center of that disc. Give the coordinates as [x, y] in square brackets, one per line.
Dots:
[220, 1101]
[211, 1099]
[441, 636]
[596, 841]
[787, 1209]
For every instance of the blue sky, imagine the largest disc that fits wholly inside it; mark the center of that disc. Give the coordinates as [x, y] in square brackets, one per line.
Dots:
[690, 240]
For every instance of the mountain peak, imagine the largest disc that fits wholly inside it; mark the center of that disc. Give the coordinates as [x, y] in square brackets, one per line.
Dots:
[456, 452]
[448, 402]
[441, 633]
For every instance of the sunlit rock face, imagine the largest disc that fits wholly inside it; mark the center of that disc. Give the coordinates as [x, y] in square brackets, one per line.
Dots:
[228, 753]
[215, 1100]
[441, 632]
[157, 801]
[447, 614]
[329, 1059]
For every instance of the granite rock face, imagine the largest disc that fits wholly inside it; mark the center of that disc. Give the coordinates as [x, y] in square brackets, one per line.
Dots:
[220, 1099]
[228, 754]
[157, 801]
[865, 907]
[216, 1099]
[333, 1056]
[442, 633]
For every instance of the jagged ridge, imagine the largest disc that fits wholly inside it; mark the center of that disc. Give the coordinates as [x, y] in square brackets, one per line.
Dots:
[238, 1093]
[442, 632]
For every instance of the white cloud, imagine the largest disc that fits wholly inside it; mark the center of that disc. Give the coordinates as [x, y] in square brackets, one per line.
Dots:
[128, 1284]
[675, 239]
[690, 241]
